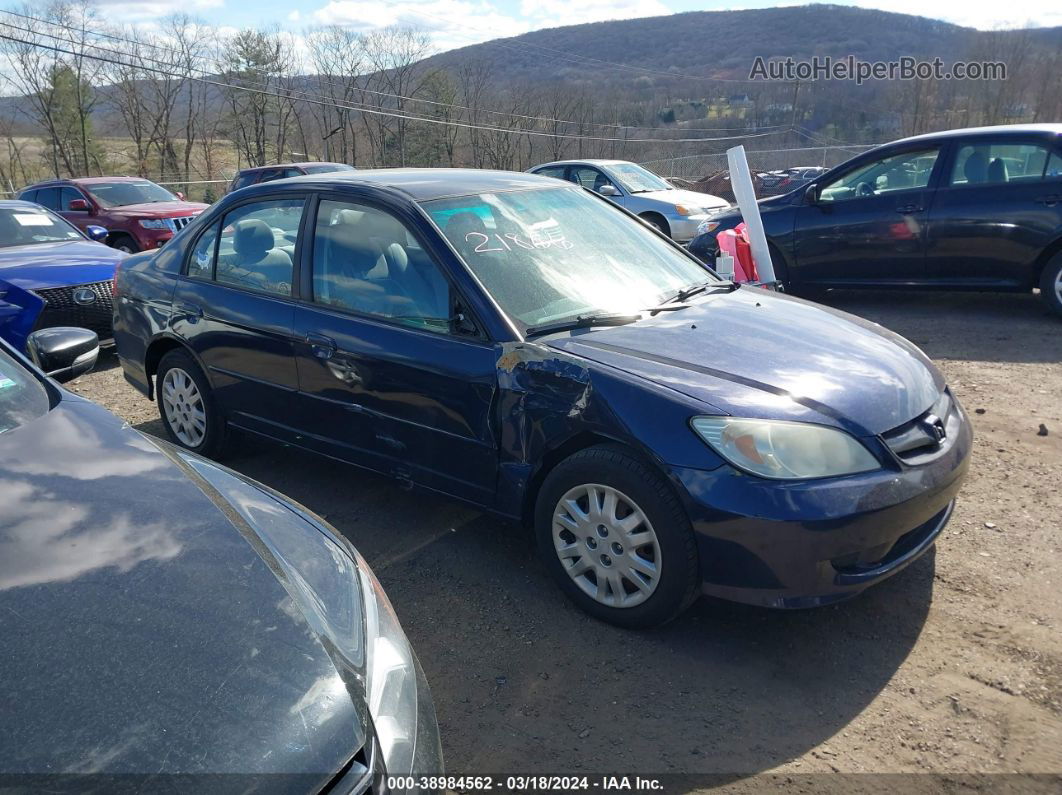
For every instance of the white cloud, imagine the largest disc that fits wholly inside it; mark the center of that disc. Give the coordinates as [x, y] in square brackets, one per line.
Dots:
[295, 16]
[451, 23]
[136, 11]
[981, 15]
[557, 13]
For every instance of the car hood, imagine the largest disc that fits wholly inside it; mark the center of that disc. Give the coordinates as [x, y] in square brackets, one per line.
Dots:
[58, 264]
[158, 209]
[690, 198]
[143, 630]
[756, 353]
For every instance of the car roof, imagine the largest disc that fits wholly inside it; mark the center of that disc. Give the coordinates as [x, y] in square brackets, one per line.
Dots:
[15, 204]
[994, 131]
[588, 161]
[422, 184]
[304, 164]
[83, 181]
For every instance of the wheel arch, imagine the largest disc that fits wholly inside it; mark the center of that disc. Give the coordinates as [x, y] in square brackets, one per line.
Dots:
[581, 440]
[659, 218]
[158, 348]
[1049, 252]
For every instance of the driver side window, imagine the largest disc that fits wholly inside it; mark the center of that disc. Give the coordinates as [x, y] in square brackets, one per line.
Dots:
[906, 171]
[589, 178]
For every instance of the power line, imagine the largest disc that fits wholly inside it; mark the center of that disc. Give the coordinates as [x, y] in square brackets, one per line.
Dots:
[156, 46]
[374, 111]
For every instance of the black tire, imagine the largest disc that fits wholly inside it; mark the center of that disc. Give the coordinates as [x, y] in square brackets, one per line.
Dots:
[213, 440]
[657, 221]
[618, 468]
[1050, 288]
[124, 243]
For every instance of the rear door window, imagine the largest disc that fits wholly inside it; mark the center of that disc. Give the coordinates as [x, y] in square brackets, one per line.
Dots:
[557, 172]
[999, 163]
[257, 246]
[49, 197]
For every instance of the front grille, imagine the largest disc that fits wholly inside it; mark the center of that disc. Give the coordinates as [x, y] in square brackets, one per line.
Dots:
[60, 308]
[928, 435]
[181, 223]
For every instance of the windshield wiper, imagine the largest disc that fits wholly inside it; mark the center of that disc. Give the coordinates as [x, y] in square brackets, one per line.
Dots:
[688, 292]
[582, 321]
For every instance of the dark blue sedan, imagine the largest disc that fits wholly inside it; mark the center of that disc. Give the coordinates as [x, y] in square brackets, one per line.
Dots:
[531, 348]
[52, 274]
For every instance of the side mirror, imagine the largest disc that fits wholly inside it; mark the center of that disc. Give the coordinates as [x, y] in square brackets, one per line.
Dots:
[608, 190]
[179, 195]
[64, 352]
[78, 206]
[97, 233]
[811, 195]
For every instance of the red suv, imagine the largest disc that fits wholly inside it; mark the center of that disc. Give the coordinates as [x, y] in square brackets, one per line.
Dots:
[137, 213]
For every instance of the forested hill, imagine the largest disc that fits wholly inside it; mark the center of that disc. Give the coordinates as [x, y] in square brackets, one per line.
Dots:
[718, 43]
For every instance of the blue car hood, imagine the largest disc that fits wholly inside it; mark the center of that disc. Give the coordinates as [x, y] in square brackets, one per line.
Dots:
[58, 264]
[755, 353]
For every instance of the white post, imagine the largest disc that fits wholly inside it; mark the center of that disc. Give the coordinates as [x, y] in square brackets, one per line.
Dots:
[745, 193]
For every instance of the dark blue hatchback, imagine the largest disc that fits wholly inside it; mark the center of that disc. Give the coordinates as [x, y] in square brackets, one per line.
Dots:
[529, 347]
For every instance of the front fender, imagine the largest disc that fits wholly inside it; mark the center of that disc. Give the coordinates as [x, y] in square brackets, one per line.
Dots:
[547, 399]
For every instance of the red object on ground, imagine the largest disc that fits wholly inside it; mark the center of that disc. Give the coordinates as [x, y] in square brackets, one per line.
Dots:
[735, 242]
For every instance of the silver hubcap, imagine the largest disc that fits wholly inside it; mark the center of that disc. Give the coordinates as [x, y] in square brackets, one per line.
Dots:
[184, 408]
[607, 545]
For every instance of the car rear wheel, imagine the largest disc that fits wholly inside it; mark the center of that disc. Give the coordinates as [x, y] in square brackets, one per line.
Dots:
[125, 243]
[615, 537]
[1051, 284]
[186, 405]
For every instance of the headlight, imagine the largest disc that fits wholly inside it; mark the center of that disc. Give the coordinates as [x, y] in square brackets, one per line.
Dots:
[155, 224]
[784, 450]
[390, 676]
[704, 227]
[682, 209]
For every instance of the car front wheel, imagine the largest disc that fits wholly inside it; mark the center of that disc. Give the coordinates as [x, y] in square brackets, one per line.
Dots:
[125, 243]
[186, 405]
[616, 539]
[1051, 284]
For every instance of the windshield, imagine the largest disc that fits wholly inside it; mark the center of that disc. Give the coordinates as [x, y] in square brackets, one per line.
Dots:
[22, 397]
[637, 179]
[119, 194]
[27, 226]
[558, 253]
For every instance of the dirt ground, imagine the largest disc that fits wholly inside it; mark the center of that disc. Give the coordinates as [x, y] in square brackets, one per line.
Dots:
[953, 667]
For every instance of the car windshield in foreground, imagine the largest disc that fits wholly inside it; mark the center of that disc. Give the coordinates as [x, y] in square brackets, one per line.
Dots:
[27, 226]
[120, 194]
[637, 179]
[557, 254]
[22, 397]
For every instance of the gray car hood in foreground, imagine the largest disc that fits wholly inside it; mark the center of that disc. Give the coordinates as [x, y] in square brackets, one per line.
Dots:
[141, 631]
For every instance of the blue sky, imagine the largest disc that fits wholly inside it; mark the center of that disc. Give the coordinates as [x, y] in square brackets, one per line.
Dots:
[454, 23]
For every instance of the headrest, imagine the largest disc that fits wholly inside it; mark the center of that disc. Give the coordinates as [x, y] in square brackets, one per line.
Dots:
[975, 168]
[997, 170]
[253, 237]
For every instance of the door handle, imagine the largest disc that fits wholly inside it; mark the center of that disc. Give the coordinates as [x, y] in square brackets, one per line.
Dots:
[1050, 200]
[193, 311]
[323, 347]
[908, 209]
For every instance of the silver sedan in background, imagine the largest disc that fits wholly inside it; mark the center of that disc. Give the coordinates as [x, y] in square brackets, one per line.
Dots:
[673, 211]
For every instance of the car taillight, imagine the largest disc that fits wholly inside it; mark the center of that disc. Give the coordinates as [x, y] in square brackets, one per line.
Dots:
[784, 182]
[114, 284]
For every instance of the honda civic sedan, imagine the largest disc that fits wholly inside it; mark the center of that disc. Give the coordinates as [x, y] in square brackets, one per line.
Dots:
[169, 625]
[531, 348]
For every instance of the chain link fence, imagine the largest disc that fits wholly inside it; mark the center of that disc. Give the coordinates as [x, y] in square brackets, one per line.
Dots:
[696, 167]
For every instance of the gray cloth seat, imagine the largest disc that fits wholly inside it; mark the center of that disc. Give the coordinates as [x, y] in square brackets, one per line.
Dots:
[255, 260]
[975, 169]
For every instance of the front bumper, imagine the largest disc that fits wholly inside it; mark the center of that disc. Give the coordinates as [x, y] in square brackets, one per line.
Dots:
[810, 543]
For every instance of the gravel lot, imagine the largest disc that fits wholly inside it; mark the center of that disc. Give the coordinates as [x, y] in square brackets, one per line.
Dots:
[954, 666]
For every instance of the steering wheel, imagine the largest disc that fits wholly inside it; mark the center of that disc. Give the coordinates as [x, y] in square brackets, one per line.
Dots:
[864, 189]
